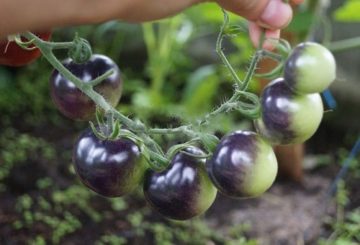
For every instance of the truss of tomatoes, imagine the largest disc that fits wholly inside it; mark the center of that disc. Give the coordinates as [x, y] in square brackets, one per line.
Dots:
[243, 164]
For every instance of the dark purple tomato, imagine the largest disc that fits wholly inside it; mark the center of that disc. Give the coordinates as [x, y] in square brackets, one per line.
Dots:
[111, 168]
[243, 165]
[288, 117]
[75, 104]
[183, 190]
[310, 68]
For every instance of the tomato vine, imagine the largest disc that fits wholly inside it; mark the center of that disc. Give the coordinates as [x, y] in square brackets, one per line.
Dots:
[245, 102]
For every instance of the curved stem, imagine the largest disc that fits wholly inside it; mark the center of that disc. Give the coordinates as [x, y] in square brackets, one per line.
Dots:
[251, 71]
[220, 52]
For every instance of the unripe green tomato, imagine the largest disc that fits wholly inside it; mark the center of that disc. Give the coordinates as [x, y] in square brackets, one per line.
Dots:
[288, 117]
[310, 68]
[243, 165]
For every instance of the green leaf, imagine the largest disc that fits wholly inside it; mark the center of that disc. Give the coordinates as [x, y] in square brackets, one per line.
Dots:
[349, 12]
[201, 88]
[301, 22]
[210, 13]
[115, 130]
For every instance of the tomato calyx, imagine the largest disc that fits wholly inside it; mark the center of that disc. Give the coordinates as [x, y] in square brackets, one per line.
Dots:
[81, 51]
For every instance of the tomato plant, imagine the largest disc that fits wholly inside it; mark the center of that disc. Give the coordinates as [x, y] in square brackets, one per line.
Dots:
[310, 68]
[75, 104]
[12, 54]
[183, 190]
[288, 117]
[111, 168]
[243, 165]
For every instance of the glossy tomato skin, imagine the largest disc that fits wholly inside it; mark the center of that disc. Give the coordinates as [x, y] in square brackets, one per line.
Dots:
[111, 168]
[75, 104]
[181, 191]
[13, 55]
[288, 117]
[243, 165]
[310, 68]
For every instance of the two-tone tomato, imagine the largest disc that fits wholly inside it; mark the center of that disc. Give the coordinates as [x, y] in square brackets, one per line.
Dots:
[288, 117]
[310, 68]
[243, 165]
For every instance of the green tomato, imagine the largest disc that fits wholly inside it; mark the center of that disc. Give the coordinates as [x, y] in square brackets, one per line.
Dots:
[288, 117]
[310, 68]
[243, 165]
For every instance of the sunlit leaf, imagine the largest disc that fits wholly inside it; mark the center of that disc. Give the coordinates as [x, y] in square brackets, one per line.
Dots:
[349, 12]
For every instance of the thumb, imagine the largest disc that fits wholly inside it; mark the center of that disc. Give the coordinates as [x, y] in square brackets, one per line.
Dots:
[270, 14]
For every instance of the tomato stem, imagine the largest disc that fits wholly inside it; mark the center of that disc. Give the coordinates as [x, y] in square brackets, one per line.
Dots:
[220, 52]
[100, 78]
[344, 45]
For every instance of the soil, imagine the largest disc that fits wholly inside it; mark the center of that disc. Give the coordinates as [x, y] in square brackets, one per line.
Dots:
[287, 214]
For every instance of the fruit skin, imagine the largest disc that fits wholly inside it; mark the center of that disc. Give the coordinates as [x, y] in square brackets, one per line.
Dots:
[243, 165]
[13, 55]
[75, 104]
[287, 117]
[183, 190]
[111, 168]
[310, 68]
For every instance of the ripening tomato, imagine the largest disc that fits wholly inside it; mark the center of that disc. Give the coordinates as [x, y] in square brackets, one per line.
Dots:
[288, 117]
[310, 68]
[243, 165]
[12, 54]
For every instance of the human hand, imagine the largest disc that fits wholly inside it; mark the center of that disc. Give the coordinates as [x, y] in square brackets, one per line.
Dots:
[269, 16]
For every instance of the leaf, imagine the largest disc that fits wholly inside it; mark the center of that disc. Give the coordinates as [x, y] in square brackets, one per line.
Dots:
[210, 13]
[349, 12]
[301, 22]
[116, 130]
[201, 88]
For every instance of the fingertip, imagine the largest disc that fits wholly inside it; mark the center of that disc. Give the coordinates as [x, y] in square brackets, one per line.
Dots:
[276, 15]
[271, 36]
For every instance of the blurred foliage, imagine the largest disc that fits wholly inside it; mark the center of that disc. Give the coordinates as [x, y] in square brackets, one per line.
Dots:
[345, 227]
[348, 12]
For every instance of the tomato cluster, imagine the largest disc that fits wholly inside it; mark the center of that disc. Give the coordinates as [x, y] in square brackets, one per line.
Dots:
[292, 108]
[243, 164]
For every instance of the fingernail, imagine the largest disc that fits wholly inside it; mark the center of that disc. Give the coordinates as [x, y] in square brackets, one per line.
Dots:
[276, 15]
